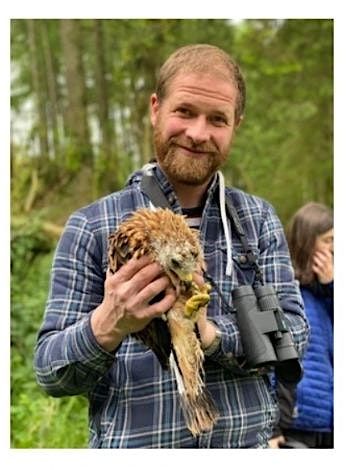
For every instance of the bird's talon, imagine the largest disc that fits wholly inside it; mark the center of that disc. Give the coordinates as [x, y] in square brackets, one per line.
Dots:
[195, 302]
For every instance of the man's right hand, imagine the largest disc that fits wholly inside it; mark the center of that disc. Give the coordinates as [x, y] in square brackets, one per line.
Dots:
[126, 304]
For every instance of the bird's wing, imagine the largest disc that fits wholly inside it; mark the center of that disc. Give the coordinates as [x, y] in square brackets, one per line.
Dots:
[129, 241]
[157, 337]
[118, 252]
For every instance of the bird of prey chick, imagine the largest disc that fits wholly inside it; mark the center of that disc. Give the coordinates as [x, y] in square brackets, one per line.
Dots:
[167, 239]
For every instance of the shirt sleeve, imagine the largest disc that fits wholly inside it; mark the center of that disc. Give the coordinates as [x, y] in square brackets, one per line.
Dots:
[68, 360]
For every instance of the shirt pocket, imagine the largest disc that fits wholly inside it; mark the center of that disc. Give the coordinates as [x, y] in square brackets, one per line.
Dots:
[222, 285]
[243, 270]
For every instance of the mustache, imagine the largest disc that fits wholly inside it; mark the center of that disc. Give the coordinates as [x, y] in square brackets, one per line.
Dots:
[188, 143]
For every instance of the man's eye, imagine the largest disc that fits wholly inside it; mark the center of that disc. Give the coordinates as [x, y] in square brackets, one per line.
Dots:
[219, 120]
[184, 112]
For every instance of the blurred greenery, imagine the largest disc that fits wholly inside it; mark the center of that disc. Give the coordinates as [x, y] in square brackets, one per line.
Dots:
[79, 125]
[36, 419]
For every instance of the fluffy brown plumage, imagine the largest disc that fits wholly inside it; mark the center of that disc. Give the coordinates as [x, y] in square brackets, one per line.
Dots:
[167, 238]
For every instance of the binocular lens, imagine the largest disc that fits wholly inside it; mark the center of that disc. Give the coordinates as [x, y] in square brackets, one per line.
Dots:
[289, 371]
[265, 337]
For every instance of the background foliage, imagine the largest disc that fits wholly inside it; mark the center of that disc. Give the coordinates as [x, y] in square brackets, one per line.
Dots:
[79, 98]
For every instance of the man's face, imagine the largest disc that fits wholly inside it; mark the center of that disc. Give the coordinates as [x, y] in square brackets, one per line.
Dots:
[194, 126]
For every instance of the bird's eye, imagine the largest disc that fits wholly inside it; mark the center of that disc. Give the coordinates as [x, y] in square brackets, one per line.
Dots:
[175, 264]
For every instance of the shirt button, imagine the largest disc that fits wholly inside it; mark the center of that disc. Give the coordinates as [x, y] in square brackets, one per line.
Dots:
[243, 259]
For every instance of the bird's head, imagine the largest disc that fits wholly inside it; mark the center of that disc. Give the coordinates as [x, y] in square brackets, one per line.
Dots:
[177, 259]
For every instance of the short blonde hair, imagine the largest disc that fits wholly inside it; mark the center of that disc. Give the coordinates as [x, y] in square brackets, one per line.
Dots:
[201, 58]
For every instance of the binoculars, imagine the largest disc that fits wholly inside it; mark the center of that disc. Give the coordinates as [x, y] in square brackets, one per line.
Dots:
[265, 337]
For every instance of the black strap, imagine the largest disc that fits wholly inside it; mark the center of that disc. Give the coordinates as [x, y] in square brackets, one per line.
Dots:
[150, 187]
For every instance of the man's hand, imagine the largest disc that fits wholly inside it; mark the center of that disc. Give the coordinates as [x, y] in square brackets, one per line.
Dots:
[322, 266]
[125, 307]
[275, 442]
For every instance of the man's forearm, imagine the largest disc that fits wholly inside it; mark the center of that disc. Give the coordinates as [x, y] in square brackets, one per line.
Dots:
[69, 362]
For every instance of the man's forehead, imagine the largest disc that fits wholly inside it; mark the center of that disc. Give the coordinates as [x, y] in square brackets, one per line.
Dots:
[208, 85]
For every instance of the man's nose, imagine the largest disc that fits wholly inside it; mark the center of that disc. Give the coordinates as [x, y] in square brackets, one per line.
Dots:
[198, 130]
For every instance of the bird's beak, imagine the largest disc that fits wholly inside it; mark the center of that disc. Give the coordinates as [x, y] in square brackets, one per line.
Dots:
[186, 277]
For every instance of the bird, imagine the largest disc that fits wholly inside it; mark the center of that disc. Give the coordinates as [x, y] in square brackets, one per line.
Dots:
[167, 238]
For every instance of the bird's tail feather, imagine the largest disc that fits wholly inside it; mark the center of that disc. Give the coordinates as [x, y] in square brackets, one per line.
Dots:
[186, 362]
[200, 412]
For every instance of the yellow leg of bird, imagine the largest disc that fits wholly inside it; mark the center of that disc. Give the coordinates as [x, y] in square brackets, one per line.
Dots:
[199, 299]
[194, 303]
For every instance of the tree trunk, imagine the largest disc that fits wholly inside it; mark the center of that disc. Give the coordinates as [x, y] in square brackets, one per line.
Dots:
[53, 102]
[79, 150]
[39, 89]
[109, 154]
[33, 191]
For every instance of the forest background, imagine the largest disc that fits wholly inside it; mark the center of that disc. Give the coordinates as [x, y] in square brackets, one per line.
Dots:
[79, 126]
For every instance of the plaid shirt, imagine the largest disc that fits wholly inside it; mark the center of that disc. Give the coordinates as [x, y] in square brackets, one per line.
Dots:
[133, 402]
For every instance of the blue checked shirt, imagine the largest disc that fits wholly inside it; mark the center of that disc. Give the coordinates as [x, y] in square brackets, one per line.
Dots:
[133, 402]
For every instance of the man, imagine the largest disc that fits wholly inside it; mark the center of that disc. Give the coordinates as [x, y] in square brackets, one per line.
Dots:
[85, 345]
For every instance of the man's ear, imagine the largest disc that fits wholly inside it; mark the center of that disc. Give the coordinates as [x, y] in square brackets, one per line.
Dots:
[238, 121]
[154, 108]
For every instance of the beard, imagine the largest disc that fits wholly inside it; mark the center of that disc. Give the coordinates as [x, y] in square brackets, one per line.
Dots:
[182, 168]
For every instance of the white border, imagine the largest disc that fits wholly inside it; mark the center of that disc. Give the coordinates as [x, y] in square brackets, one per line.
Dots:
[185, 9]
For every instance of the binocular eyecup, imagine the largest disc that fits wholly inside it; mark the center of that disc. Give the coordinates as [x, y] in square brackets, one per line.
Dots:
[265, 336]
